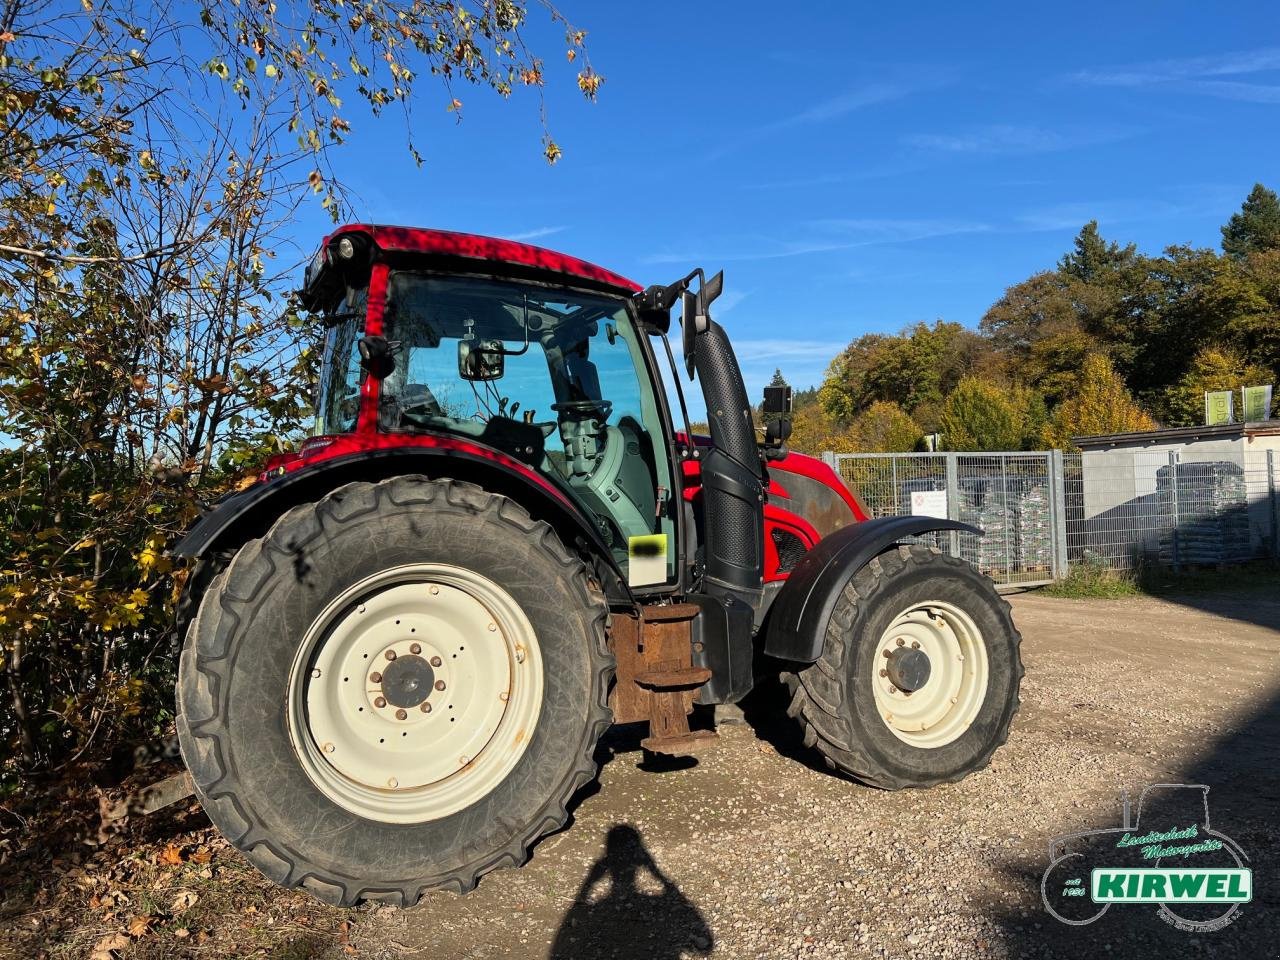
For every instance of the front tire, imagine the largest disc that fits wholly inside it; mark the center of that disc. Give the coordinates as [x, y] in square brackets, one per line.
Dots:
[398, 688]
[918, 679]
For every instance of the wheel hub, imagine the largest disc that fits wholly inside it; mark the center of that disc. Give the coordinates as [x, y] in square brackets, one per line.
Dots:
[415, 692]
[908, 669]
[932, 673]
[408, 681]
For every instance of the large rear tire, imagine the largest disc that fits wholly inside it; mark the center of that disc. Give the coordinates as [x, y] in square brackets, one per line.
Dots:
[918, 679]
[398, 688]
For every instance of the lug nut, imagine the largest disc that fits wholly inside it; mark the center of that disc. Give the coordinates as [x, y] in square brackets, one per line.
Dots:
[434, 591]
[436, 661]
[493, 627]
[901, 643]
[504, 696]
[520, 654]
[915, 644]
[315, 674]
[884, 673]
[393, 783]
[328, 748]
[402, 715]
[415, 648]
[380, 702]
[426, 707]
[375, 677]
[390, 654]
[439, 684]
[887, 653]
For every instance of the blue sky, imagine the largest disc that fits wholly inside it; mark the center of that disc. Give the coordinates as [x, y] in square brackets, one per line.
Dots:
[851, 168]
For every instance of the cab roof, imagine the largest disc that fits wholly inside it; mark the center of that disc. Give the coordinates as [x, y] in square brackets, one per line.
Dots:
[469, 246]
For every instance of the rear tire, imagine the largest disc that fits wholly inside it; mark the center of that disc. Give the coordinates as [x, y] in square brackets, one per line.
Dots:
[954, 720]
[263, 727]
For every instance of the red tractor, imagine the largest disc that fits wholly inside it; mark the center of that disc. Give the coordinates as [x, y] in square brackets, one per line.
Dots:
[403, 642]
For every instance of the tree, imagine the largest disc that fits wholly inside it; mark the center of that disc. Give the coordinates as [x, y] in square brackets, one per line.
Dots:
[1100, 404]
[152, 154]
[1092, 258]
[1212, 369]
[1256, 227]
[983, 415]
[916, 367]
[814, 431]
[885, 427]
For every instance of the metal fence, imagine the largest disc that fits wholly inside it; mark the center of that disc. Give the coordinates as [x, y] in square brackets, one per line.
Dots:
[1044, 512]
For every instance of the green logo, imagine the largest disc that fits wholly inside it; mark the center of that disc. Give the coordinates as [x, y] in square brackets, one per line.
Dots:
[1172, 885]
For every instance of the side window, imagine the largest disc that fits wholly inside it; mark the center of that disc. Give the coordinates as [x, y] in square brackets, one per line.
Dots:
[341, 375]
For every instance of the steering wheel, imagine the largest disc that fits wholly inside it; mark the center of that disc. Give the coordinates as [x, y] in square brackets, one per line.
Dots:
[600, 409]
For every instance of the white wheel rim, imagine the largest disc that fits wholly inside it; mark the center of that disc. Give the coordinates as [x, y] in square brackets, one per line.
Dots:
[415, 693]
[942, 709]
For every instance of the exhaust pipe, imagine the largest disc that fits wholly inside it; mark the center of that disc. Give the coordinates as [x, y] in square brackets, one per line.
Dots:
[732, 473]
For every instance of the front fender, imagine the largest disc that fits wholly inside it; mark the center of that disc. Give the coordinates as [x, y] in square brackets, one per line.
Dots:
[799, 615]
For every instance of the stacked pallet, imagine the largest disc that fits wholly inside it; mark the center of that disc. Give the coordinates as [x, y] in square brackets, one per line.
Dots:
[1016, 520]
[1033, 523]
[1205, 507]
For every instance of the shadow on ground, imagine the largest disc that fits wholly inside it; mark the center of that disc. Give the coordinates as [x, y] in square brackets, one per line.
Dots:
[628, 908]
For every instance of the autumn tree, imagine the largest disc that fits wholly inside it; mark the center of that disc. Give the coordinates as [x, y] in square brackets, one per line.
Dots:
[986, 415]
[154, 156]
[1212, 368]
[1256, 227]
[1100, 404]
[884, 427]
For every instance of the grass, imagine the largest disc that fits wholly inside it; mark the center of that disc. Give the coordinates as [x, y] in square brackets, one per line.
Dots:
[1095, 581]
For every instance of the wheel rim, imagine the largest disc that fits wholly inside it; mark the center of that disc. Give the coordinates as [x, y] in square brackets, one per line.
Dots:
[415, 693]
[930, 675]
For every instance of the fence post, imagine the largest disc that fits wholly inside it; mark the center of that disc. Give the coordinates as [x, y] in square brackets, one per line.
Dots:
[829, 458]
[1058, 512]
[1273, 497]
[953, 499]
[1173, 486]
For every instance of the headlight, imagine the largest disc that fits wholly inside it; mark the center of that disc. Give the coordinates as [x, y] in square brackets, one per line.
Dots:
[346, 249]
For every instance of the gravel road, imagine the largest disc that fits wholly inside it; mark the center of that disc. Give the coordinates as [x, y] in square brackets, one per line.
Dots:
[757, 851]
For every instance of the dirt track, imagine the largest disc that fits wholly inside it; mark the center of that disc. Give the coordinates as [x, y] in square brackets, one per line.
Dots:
[760, 853]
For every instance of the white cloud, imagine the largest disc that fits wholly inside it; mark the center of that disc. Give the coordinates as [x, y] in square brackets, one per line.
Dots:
[535, 233]
[1197, 75]
[824, 236]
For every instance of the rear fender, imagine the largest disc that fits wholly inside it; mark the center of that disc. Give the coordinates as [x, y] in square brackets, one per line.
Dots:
[250, 513]
[798, 618]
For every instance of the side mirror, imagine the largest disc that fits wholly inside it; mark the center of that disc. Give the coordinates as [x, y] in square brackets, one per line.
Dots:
[481, 360]
[691, 324]
[377, 355]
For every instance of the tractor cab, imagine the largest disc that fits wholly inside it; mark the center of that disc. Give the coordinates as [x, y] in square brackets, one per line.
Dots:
[551, 371]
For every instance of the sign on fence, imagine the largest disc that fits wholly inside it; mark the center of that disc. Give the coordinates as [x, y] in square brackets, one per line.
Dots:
[929, 503]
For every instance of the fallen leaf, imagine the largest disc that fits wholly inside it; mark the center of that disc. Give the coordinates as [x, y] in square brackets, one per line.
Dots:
[183, 902]
[201, 856]
[105, 949]
[170, 855]
[182, 933]
[139, 926]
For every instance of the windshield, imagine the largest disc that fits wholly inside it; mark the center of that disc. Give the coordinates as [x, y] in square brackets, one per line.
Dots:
[552, 377]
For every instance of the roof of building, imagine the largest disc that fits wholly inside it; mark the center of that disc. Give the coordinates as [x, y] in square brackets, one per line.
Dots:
[447, 243]
[1225, 431]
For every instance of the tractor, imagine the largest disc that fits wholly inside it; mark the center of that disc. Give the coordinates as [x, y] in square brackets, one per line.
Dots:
[402, 642]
